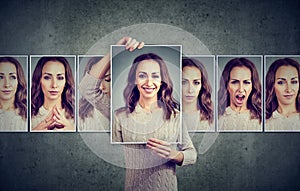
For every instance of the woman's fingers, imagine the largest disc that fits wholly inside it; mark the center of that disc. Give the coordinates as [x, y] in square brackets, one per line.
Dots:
[141, 45]
[131, 43]
[162, 148]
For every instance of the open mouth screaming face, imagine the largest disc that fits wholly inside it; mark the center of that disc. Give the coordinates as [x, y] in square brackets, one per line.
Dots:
[239, 87]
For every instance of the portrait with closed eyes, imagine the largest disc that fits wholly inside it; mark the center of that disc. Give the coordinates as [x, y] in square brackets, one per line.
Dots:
[239, 93]
[282, 108]
[94, 97]
[52, 93]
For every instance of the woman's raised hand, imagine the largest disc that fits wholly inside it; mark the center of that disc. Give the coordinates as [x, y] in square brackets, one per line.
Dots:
[130, 43]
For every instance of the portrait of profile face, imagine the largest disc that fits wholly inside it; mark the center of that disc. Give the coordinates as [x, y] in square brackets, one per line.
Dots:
[13, 93]
[53, 88]
[282, 99]
[151, 73]
[239, 93]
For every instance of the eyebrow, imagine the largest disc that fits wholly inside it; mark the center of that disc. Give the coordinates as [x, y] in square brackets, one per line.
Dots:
[151, 73]
[239, 80]
[294, 78]
[1, 73]
[52, 74]
[106, 75]
[193, 79]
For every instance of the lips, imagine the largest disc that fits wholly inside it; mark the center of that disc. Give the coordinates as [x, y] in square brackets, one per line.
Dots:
[6, 91]
[148, 89]
[190, 97]
[240, 99]
[288, 96]
[53, 92]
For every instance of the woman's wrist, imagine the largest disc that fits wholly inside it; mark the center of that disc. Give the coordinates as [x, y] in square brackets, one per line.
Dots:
[177, 157]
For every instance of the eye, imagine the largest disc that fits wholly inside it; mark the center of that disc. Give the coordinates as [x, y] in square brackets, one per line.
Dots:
[197, 83]
[47, 78]
[60, 77]
[13, 77]
[107, 79]
[142, 76]
[184, 82]
[281, 82]
[247, 82]
[294, 82]
[156, 76]
[1, 77]
[234, 81]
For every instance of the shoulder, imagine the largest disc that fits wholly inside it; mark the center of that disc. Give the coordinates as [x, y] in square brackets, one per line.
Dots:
[121, 112]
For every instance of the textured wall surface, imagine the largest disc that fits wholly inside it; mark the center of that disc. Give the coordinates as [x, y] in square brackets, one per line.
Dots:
[237, 161]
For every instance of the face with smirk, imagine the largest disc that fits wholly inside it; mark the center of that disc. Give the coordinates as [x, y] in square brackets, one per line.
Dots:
[239, 86]
[8, 81]
[53, 80]
[148, 79]
[191, 84]
[286, 85]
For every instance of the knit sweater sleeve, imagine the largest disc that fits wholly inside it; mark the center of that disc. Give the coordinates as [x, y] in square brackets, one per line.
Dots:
[89, 89]
[116, 129]
[188, 149]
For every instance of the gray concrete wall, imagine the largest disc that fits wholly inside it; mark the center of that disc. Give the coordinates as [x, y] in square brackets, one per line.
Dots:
[237, 161]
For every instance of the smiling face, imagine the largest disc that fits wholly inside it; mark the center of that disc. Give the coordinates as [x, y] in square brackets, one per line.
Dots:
[148, 79]
[53, 80]
[191, 84]
[239, 87]
[286, 85]
[8, 81]
[105, 84]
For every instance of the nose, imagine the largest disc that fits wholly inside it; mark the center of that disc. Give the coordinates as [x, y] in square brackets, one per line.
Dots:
[149, 81]
[288, 87]
[191, 88]
[7, 82]
[102, 86]
[241, 87]
[54, 83]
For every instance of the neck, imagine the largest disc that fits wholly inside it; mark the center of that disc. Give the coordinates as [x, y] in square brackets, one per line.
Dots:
[7, 104]
[49, 104]
[238, 109]
[287, 109]
[189, 107]
[148, 105]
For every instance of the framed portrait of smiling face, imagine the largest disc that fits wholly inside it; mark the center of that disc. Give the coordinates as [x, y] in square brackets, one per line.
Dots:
[146, 94]
[239, 88]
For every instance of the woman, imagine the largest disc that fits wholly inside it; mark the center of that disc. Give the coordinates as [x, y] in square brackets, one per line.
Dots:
[239, 97]
[197, 105]
[13, 95]
[91, 119]
[52, 95]
[282, 96]
[151, 115]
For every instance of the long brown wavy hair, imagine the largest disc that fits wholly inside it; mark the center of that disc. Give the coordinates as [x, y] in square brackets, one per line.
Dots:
[86, 109]
[37, 95]
[205, 104]
[254, 99]
[20, 102]
[271, 99]
[164, 95]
